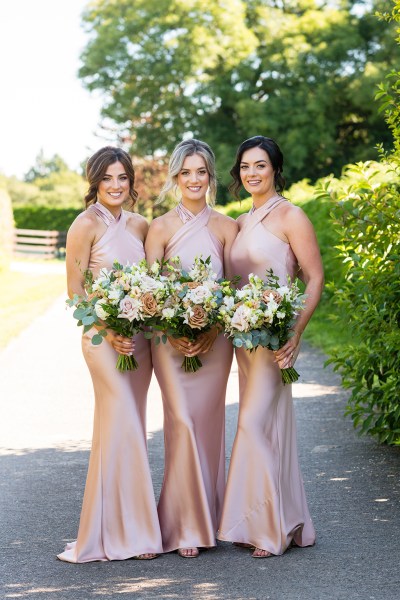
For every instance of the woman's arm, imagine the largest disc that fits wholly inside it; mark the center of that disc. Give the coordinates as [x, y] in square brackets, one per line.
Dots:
[80, 238]
[231, 229]
[155, 241]
[302, 239]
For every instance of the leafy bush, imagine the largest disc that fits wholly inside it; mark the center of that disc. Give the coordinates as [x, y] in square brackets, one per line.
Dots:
[367, 212]
[6, 229]
[44, 217]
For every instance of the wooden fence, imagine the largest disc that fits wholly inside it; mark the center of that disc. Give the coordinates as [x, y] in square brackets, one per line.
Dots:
[39, 243]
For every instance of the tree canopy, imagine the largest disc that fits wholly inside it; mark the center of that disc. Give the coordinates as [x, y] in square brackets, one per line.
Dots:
[304, 73]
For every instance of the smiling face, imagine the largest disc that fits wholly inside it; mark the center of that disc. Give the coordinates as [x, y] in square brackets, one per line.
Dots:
[193, 179]
[257, 173]
[113, 189]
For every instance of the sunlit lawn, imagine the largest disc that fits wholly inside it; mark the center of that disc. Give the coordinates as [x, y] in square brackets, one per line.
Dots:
[23, 297]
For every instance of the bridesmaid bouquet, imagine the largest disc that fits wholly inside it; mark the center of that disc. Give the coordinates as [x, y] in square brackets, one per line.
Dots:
[193, 304]
[122, 299]
[262, 313]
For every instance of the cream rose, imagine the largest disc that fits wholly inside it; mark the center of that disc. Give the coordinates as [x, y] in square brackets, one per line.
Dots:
[199, 294]
[148, 284]
[241, 318]
[100, 312]
[129, 308]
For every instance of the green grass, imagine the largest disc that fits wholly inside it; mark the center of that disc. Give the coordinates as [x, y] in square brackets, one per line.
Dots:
[24, 297]
[326, 333]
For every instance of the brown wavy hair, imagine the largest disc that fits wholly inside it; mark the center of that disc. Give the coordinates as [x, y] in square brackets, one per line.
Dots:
[97, 166]
[275, 156]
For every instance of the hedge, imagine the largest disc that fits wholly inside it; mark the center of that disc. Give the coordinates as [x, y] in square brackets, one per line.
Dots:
[44, 217]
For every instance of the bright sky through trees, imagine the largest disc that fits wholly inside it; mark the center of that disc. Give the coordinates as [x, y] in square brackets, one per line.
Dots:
[42, 102]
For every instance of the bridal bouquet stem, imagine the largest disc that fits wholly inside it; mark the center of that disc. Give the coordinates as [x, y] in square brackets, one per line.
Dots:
[262, 313]
[122, 299]
[193, 304]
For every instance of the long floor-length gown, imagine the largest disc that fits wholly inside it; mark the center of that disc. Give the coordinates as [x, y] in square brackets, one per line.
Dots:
[265, 503]
[194, 413]
[119, 514]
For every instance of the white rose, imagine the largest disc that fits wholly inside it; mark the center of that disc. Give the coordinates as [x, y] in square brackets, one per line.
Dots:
[100, 312]
[148, 284]
[199, 294]
[167, 313]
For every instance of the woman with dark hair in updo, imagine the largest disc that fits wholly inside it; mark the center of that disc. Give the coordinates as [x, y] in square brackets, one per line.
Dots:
[119, 515]
[265, 506]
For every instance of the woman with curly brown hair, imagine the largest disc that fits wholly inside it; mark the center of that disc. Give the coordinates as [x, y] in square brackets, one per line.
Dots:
[119, 516]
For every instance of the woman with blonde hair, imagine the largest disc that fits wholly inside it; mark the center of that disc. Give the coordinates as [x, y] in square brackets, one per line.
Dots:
[119, 516]
[194, 403]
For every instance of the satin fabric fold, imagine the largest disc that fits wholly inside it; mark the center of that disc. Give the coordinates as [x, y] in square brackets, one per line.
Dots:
[194, 415]
[119, 515]
[265, 503]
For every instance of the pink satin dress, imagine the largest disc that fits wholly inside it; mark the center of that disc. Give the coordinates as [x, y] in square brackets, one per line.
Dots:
[194, 413]
[119, 514]
[265, 503]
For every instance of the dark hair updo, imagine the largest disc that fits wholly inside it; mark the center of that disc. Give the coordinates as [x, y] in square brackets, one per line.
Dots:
[97, 166]
[275, 156]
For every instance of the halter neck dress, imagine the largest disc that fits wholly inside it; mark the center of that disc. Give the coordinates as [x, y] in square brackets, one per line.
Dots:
[265, 503]
[194, 405]
[119, 515]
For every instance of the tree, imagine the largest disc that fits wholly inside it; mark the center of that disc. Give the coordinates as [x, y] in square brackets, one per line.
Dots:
[43, 167]
[302, 72]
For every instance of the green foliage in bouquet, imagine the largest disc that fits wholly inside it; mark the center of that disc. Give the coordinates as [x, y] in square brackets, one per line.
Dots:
[262, 313]
[192, 308]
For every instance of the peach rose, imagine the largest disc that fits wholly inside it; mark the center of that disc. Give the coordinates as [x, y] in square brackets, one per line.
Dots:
[266, 296]
[192, 284]
[149, 304]
[198, 318]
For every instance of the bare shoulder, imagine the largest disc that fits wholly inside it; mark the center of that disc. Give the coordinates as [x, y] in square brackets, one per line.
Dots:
[224, 220]
[240, 220]
[293, 214]
[84, 223]
[137, 222]
[165, 221]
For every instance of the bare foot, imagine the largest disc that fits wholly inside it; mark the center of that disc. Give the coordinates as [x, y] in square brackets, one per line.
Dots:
[147, 556]
[188, 552]
[259, 553]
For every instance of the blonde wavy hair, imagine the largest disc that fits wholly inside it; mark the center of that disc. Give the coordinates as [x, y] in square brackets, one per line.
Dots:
[178, 156]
